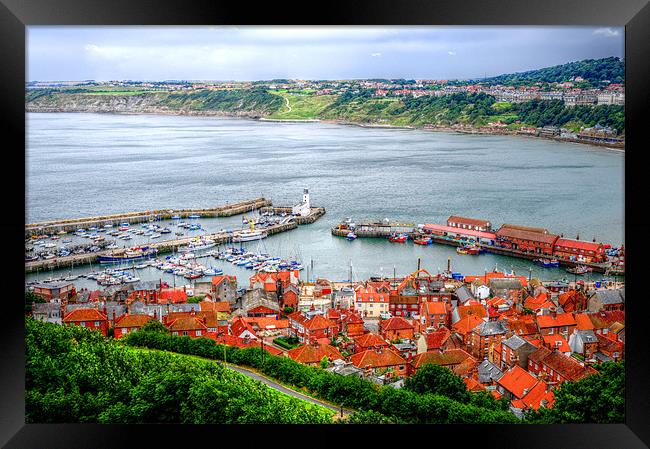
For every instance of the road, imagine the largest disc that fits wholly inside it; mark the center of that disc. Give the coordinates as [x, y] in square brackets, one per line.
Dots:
[287, 100]
[276, 386]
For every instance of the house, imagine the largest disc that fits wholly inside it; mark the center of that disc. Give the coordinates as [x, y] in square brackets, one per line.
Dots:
[312, 354]
[469, 223]
[555, 367]
[312, 297]
[540, 395]
[191, 326]
[516, 383]
[606, 300]
[268, 326]
[513, 351]
[583, 342]
[556, 323]
[537, 303]
[415, 288]
[463, 295]
[558, 342]
[508, 288]
[460, 312]
[572, 301]
[526, 239]
[369, 341]
[258, 301]
[241, 328]
[579, 250]
[433, 341]
[172, 295]
[371, 301]
[479, 289]
[224, 288]
[485, 337]
[406, 349]
[129, 323]
[61, 291]
[609, 349]
[343, 298]
[488, 373]
[310, 329]
[434, 314]
[219, 306]
[353, 325]
[381, 362]
[88, 317]
[396, 328]
[450, 358]
[48, 312]
[289, 297]
[145, 291]
[603, 321]
[523, 325]
[463, 328]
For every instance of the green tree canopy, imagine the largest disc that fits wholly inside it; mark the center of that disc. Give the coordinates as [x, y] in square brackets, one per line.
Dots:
[436, 379]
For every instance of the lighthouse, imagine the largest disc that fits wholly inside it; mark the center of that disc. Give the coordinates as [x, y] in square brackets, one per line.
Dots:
[303, 208]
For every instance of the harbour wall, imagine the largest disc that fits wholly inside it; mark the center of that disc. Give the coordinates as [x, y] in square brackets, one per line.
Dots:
[72, 224]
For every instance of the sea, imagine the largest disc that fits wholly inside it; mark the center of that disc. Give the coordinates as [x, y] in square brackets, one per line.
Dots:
[80, 164]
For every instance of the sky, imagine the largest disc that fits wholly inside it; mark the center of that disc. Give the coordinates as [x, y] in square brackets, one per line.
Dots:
[249, 53]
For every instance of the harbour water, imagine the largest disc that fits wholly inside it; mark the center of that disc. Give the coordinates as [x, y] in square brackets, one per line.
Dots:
[89, 164]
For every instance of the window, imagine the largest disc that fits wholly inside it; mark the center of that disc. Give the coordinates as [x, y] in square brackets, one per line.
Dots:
[96, 323]
[401, 367]
[184, 332]
[174, 333]
[125, 330]
[83, 323]
[198, 333]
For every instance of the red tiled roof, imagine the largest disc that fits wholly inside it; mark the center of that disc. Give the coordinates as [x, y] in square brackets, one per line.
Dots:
[216, 280]
[579, 244]
[396, 323]
[522, 234]
[314, 354]
[604, 319]
[88, 314]
[609, 346]
[173, 296]
[186, 323]
[434, 307]
[474, 309]
[450, 357]
[561, 319]
[495, 275]
[371, 358]
[538, 302]
[523, 325]
[220, 306]
[467, 324]
[239, 325]
[583, 322]
[567, 367]
[536, 395]
[430, 227]
[267, 322]
[540, 354]
[437, 339]
[370, 339]
[473, 384]
[552, 342]
[465, 220]
[132, 320]
[465, 367]
[318, 322]
[516, 380]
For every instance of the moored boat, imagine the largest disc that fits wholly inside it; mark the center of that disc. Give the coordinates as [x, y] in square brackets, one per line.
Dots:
[423, 241]
[579, 269]
[351, 236]
[128, 255]
[398, 238]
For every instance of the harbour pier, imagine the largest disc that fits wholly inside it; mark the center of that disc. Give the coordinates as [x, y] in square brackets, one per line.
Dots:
[72, 224]
[384, 230]
[168, 246]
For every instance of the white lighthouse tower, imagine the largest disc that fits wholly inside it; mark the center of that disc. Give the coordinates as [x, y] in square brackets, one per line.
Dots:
[303, 209]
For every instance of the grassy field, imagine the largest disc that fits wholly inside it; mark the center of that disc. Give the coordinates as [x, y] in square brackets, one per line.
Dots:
[301, 107]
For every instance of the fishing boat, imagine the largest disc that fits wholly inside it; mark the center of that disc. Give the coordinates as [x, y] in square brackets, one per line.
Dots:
[423, 241]
[469, 249]
[547, 263]
[213, 272]
[194, 216]
[351, 236]
[176, 217]
[165, 231]
[248, 235]
[398, 238]
[579, 269]
[128, 255]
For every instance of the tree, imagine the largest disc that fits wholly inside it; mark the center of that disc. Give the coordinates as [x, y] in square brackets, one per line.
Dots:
[154, 326]
[194, 299]
[288, 310]
[324, 362]
[435, 379]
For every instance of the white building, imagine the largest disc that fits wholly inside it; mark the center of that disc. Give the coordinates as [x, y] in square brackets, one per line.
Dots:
[303, 209]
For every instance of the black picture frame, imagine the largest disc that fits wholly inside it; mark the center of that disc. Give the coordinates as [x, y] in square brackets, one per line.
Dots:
[15, 15]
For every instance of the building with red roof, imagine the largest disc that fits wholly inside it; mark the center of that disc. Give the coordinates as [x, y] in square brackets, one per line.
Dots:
[449, 358]
[572, 301]
[555, 367]
[187, 325]
[557, 341]
[396, 328]
[463, 328]
[434, 341]
[380, 362]
[516, 383]
[435, 314]
[370, 300]
[578, 249]
[172, 296]
[310, 329]
[129, 323]
[452, 231]
[556, 323]
[353, 325]
[369, 341]
[540, 396]
[224, 288]
[524, 239]
[473, 224]
[312, 354]
[88, 317]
